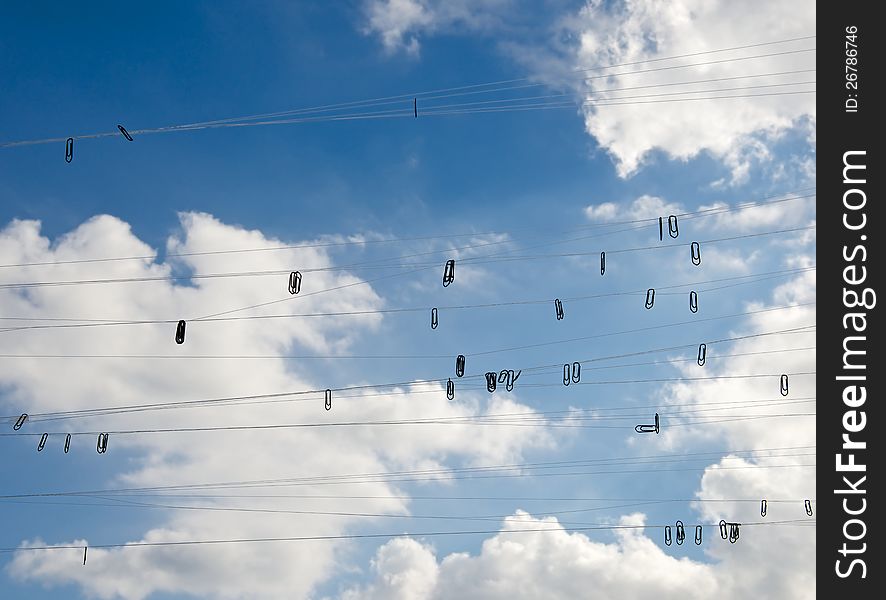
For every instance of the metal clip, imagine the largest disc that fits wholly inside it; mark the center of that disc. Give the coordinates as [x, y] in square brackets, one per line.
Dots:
[449, 272]
[673, 230]
[124, 132]
[84, 554]
[69, 150]
[558, 307]
[434, 318]
[328, 399]
[649, 428]
[681, 533]
[807, 504]
[763, 507]
[295, 282]
[508, 377]
[693, 302]
[698, 529]
[602, 263]
[650, 298]
[566, 378]
[415, 106]
[723, 532]
[734, 532]
[667, 535]
[490, 381]
[576, 372]
[21, 421]
[660, 228]
[695, 253]
[702, 354]
[460, 365]
[67, 443]
[180, 332]
[101, 446]
[42, 442]
[450, 390]
[784, 385]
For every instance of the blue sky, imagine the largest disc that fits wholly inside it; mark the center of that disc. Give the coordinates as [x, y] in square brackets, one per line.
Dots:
[536, 178]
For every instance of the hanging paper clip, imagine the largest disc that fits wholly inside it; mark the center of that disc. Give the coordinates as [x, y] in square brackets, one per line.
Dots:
[566, 377]
[180, 333]
[508, 377]
[558, 307]
[328, 399]
[602, 263]
[460, 365]
[807, 504]
[660, 228]
[124, 132]
[67, 443]
[723, 532]
[667, 535]
[101, 446]
[695, 253]
[490, 381]
[763, 506]
[69, 150]
[693, 301]
[449, 272]
[576, 372]
[784, 385]
[650, 298]
[42, 442]
[450, 390]
[673, 230]
[21, 421]
[84, 554]
[649, 428]
[415, 106]
[698, 529]
[295, 282]
[702, 354]
[734, 532]
[433, 318]
[681, 533]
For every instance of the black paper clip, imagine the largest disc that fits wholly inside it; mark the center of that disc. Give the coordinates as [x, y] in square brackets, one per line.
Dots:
[681, 533]
[693, 301]
[734, 532]
[649, 428]
[650, 298]
[673, 230]
[67, 443]
[508, 377]
[328, 399]
[460, 365]
[567, 379]
[660, 228]
[602, 263]
[702, 354]
[698, 529]
[84, 554]
[763, 506]
[723, 531]
[490, 381]
[667, 535]
[783, 385]
[42, 442]
[69, 150]
[558, 307]
[449, 272]
[21, 421]
[433, 318]
[124, 132]
[695, 253]
[415, 106]
[295, 282]
[101, 446]
[450, 390]
[576, 372]
[180, 332]
[807, 504]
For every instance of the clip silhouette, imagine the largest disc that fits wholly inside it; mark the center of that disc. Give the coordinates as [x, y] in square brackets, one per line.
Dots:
[723, 533]
[667, 535]
[566, 377]
[649, 428]
[807, 504]
[124, 132]
[558, 307]
[450, 390]
[693, 302]
[180, 332]
[67, 443]
[449, 272]
[508, 377]
[433, 318]
[21, 421]
[576, 372]
[328, 399]
[295, 282]
[415, 106]
[101, 446]
[602, 263]
[660, 228]
[84, 554]
[763, 507]
[702, 354]
[42, 442]
[650, 298]
[698, 529]
[784, 385]
[695, 253]
[734, 532]
[460, 365]
[69, 150]
[673, 230]
[681, 533]
[490, 381]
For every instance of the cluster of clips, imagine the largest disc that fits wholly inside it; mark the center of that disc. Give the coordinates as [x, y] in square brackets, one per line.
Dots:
[573, 374]
[295, 282]
[505, 376]
[69, 147]
[729, 531]
[649, 428]
[558, 309]
[42, 443]
[807, 505]
[101, 445]
[681, 534]
[673, 229]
